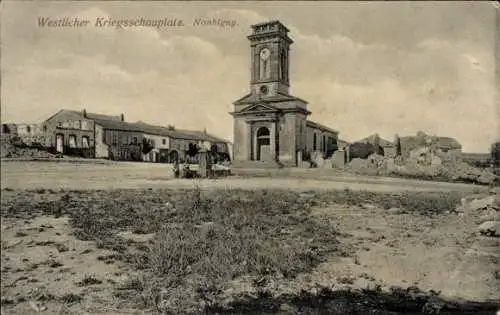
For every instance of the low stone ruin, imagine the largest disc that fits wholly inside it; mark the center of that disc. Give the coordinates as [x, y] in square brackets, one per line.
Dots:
[486, 210]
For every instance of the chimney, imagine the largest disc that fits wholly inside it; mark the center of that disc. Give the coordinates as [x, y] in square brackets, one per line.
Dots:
[122, 117]
[84, 113]
[205, 131]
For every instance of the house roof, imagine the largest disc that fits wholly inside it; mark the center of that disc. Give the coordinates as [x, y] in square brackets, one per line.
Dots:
[320, 126]
[146, 128]
[440, 142]
[89, 115]
[103, 117]
[180, 133]
[448, 143]
[115, 123]
[342, 142]
[382, 142]
[120, 125]
[202, 135]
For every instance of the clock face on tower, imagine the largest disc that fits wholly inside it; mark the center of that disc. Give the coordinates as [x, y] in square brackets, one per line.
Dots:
[264, 54]
[264, 89]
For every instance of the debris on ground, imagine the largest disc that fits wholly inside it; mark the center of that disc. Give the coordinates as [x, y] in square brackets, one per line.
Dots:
[448, 169]
[476, 203]
[12, 147]
[487, 210]
[490, 228]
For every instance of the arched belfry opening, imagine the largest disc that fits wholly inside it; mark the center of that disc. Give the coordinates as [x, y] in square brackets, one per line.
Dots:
[263, 143]
[283, 65]
[265, 63]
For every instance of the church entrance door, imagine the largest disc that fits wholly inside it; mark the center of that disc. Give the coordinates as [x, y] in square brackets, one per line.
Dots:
[263, 144]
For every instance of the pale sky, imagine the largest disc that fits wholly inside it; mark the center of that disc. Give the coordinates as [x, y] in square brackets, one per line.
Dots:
[364, 68]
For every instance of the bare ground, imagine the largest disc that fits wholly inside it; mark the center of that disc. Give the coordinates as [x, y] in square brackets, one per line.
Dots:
[46, 266]
[123, 175]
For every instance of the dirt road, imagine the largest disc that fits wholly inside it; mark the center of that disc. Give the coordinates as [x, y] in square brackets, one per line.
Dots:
[32, 175]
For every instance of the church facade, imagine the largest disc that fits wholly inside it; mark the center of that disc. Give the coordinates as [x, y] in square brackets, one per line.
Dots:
[270, 124]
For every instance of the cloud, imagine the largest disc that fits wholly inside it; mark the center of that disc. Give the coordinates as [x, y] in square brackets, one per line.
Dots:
[388, 108]
[385, 75]
[244, 17]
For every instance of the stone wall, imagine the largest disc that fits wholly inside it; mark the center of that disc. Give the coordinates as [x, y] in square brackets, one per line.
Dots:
[241, 139]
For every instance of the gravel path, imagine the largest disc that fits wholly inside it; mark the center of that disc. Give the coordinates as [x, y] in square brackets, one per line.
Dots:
[31, 175]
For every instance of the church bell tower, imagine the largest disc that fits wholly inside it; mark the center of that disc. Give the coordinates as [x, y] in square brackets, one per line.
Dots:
[270, 125]
[270, 48]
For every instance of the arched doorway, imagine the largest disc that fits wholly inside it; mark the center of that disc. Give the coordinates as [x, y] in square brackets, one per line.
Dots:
[263, 143]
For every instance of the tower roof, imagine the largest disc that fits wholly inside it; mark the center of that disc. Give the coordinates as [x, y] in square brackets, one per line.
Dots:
[271, 25]
[270, 28]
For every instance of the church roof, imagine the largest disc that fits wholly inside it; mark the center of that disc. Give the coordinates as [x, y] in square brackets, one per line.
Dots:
[320, 126]
[253, 98]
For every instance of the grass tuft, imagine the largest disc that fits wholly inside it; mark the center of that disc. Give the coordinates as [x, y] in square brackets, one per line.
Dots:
[203, 239]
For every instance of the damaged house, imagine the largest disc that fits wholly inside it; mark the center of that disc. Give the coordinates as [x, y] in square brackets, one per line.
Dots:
[428, 149]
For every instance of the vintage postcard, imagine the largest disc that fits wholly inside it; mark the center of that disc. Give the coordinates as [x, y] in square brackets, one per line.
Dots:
[270, 157]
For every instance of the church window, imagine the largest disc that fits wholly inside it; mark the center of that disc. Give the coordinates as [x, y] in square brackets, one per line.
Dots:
[314, 142]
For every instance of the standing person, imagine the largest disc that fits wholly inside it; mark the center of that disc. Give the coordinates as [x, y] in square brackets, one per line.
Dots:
[176, 168]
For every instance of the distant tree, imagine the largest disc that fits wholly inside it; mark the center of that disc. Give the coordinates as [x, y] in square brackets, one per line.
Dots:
[193, 149]
[213, 148]
[397, 143]
[147, 145]
[495, 154]
[376, 145]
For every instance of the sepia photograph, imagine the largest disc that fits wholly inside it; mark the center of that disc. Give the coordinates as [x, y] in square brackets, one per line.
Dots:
[250, 157]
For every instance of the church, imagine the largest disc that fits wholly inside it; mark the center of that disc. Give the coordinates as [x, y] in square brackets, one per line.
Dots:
[270, 124]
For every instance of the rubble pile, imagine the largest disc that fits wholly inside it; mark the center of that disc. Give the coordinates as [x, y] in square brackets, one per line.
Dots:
[317, 159]
[486, 210]
[373, 165]
[10, 147]
[465, 172]
[446, 169]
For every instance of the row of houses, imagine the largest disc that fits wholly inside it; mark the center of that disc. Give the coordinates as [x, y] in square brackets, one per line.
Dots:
[103, 136]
